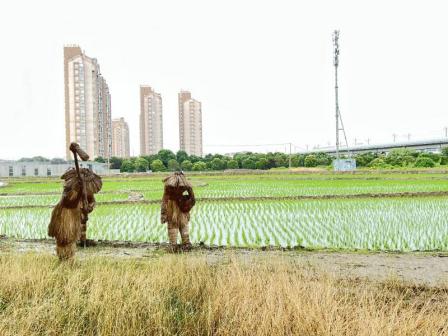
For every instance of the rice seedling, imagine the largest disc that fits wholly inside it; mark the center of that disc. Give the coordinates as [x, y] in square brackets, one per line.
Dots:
[376, 224]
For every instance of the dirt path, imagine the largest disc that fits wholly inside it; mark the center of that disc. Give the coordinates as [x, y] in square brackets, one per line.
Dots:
[418, 268]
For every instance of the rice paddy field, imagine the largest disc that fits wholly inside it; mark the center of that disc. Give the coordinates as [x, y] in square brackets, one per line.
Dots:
[366, 211]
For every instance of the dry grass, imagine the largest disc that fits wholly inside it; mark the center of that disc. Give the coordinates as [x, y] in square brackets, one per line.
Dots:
[193, 295]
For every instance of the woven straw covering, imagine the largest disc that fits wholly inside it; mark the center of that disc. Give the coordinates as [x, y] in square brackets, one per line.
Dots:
[93, 181]
[177, 180]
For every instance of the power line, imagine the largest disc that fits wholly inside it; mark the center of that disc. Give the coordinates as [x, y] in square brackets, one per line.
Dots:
[250, 145]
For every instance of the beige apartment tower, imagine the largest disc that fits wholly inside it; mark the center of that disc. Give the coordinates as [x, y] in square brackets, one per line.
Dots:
[190, 124]
[88, 117]
[120, 138]
[151, 122]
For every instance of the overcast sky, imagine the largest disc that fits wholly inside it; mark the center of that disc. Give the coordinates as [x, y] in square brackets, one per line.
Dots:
[262, 70]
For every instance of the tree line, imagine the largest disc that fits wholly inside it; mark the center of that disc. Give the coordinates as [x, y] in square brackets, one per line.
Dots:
[166, 160]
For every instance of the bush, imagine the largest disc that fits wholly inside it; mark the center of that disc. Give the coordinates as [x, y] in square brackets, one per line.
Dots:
[444, 151]
[433, 156]
[311, 161]
[424, 162]
[379, 163]
[401, 157]
[364, 159]
[157, 165]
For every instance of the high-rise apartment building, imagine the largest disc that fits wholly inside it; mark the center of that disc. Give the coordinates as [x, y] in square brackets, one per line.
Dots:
[88, 117]
[151, 122]
[190, 124]
[120, 138]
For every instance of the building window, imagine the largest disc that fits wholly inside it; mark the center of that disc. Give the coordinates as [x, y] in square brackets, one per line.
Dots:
[48, 171]
[11, 171]
[36, 171]
[23, 170]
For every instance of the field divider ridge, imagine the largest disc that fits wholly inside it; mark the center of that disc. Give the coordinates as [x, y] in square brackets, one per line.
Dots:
[264, 198]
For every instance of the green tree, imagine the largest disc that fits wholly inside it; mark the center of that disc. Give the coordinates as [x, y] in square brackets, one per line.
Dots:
[100, 159]
[58, 161]
[195, 158]
[115, 162]
[323, 159]
[157, 165]
[165, 155]
[298, 160]
[199, 166]
[186, 165]
[173, 165]
[424, 162]
[444, 151]
[379, 163]
[141, 165]
[232, 164]
[364, 159]
[127, 166]
[311, 161]
[262, 163]
[281, 160]
[217, 164]
[400, 157]
[433, 156]
[181, 156]
[248, 164]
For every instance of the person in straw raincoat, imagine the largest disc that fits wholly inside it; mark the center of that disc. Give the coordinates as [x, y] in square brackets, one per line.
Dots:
[65, 224]
[178, 199]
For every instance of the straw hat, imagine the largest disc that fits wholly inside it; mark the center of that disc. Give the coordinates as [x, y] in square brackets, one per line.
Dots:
[93, 181]
[177, 180]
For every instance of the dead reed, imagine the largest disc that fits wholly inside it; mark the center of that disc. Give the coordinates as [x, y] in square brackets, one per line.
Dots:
[197, 295]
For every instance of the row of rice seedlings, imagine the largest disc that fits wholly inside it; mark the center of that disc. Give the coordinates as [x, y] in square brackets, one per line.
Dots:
[28, 200]
[278, 188]
[218, 187]
[375, 224]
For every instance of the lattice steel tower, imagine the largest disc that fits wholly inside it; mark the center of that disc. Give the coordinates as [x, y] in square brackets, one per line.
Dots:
[339, 123]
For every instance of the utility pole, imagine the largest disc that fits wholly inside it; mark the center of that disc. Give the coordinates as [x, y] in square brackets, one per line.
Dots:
[336, 91]
[290, 147]
[446, 131]
[394, 136]
[336, 64]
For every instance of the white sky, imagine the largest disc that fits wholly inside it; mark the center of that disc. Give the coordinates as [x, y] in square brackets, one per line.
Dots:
[262, 70]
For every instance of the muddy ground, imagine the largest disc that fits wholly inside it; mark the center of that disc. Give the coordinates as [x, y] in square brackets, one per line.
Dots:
[429, 269]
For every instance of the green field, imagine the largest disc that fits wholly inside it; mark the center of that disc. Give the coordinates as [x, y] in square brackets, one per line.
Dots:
[226, 216]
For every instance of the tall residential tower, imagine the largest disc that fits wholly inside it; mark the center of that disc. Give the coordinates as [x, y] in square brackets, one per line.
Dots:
[151, 122]
[88, 118]
[190, 124]
[120, 138]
